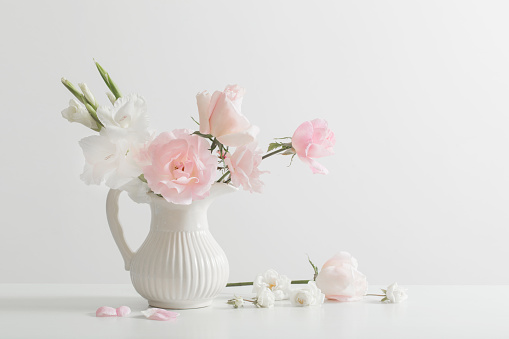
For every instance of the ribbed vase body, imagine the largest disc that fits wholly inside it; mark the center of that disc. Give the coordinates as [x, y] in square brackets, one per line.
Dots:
[179, 265]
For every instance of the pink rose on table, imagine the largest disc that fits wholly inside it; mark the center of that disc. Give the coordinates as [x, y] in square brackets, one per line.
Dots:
[182, 168]
[243, 166]
[340, 280]
[220, 116]
[313, 139]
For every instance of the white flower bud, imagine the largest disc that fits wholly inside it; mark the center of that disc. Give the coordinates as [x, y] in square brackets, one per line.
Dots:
[86, 92]
[77, 113]
[111, 97]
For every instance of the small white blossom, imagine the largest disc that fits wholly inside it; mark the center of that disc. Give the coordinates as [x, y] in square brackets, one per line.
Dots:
[76, 112]
[236, 302]
[278, 284]
[265, 298]
[396, 294]
[309, 295]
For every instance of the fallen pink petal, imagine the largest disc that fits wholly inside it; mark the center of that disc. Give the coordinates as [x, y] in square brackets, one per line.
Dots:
[106, 311]
[123, 311]
[159, 314]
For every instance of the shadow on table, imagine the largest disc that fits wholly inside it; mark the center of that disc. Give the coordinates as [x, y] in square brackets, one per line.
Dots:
[86, 305]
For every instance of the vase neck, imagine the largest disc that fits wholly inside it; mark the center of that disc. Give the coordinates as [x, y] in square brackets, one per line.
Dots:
[168, 217]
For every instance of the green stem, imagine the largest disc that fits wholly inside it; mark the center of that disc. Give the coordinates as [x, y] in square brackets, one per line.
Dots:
[376, 295]
[248, 283]
[276, 151]
[223, 176]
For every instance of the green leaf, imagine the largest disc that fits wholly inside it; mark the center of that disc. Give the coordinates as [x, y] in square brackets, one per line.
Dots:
[385, 291]
[214, 145]
[273, 146]
[207, 136]
[315, 269]
[195, 121]
[291, 160]
[384, 299]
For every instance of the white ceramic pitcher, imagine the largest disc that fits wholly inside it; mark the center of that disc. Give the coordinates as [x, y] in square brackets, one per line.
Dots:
[179, 265]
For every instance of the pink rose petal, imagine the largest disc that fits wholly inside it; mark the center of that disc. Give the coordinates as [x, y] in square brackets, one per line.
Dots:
[106, 311]
[159, 314]
[123, 311]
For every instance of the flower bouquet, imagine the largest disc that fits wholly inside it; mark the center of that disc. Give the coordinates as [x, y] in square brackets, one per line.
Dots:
[178, 173]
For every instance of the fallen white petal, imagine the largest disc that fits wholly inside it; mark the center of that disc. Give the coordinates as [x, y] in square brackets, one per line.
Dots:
[159, 314]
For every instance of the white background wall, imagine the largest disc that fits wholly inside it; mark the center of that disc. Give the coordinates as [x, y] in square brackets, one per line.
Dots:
[416, 92]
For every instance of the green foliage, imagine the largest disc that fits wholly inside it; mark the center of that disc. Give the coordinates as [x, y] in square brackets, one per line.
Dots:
[274, 145]
[206, 136]
[195, 121]
[315, 269]
[109, 82]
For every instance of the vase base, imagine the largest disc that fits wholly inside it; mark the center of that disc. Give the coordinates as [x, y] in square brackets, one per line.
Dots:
[180, 304]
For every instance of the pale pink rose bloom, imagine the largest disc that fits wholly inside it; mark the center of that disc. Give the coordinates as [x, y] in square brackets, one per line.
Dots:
[159, 314]
[340, 280]
[182, 168]
[313, 139]
[243, 166]
[106, 311]
[220, 115]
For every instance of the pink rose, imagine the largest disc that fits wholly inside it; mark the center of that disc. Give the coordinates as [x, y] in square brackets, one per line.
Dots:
[182, 168]
[243, 166]
[220, 115]
[313, 139]
[340, 280]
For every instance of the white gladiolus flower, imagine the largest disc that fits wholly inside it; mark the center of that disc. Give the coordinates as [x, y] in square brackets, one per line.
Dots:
[86, 92]
[278, 284]
[137, 190]
[265, 298]
[76, 112]
[309, 295]
[127, 119]
[110, 160]
[396, 294]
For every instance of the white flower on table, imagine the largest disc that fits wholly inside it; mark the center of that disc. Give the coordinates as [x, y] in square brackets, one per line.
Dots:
[278, 284]
[265, 298]
[236, 302]
[76, 112]
[309, 295]
[395, 294]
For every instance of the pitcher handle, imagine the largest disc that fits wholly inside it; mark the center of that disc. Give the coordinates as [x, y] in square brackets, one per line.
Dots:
[116, 228]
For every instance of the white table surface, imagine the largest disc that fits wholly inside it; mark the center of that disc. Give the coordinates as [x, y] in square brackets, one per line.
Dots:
[68, 311]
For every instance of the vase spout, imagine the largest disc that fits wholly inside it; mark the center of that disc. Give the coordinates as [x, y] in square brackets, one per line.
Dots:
[220, 188]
